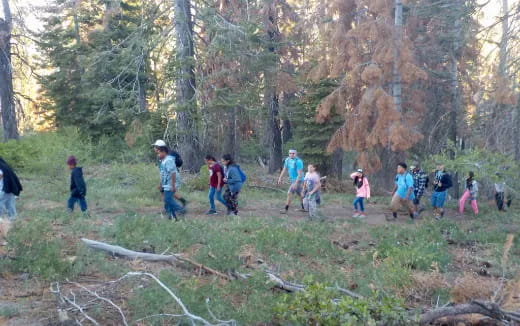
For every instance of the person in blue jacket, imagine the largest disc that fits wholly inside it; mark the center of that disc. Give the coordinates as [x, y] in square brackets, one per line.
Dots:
[233, 180]
[78, 188]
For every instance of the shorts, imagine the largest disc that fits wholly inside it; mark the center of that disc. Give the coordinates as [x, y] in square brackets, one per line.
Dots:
[397, 202]
[298, 189]
[438, 199]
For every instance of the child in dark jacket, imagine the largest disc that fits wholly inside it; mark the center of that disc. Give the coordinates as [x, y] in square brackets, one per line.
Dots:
[78, 188]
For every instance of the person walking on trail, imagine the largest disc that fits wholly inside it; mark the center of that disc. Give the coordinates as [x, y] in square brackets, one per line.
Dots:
[500, 194]
[169, 183]
[441, 184]
[293, 165]
[403, 195]
[234, 179]
[178, 163]
[216, 182]
[470, 192]
[10, 188]
[420, 183]
[311, 191]
[362, 191]
[78, 188]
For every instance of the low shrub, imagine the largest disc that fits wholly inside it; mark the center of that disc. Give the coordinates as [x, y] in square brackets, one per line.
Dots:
[37, 250]
[320, 305]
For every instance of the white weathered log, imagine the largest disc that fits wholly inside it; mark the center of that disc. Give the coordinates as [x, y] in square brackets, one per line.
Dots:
[120, 251]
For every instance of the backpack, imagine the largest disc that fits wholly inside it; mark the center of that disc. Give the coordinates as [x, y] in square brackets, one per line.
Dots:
[178, 159]
[243, 176]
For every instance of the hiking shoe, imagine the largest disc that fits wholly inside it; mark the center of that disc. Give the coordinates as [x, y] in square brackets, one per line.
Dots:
[211, 212]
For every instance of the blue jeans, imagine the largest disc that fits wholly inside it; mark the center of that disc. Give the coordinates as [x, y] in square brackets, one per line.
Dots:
[211, 196]
[359, 200]
[8, 203]
[73, 200]
[170, 205]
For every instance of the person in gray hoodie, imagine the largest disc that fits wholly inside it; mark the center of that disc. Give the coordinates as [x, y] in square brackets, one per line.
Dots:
[234, 181]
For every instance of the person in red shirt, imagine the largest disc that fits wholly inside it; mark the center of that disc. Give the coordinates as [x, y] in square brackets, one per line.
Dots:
[216, 181]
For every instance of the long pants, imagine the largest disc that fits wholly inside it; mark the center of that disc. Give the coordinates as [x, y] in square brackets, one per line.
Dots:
[72, 201]
[465, 196]
[359, 200]
[397, 202]
[211, 196]
[231, 199]
[310, 204]
[499, 199]
[170, 205]
[8, 203]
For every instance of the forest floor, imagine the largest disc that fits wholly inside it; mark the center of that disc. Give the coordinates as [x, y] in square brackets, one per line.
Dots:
[426, 263]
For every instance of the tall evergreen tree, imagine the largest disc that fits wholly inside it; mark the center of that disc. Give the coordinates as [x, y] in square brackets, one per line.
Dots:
[9, 123]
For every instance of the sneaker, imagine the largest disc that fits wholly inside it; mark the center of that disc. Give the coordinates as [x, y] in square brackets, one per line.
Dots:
[361, 215]
[302, 210]
[173, 217]
[211, 212]
[356, 214]
[283, 211]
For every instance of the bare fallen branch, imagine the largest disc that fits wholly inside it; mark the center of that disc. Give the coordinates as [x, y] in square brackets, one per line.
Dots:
[186, 313]
[56, 290]
[120, 251]
[488, 309]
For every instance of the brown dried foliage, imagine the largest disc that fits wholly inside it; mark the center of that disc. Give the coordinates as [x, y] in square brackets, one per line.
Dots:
[362, 50]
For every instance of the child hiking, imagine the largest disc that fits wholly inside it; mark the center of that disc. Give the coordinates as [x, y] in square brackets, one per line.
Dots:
[234, 179]
[362, 191]
[471, 193]
[311, 191]
[78, 188]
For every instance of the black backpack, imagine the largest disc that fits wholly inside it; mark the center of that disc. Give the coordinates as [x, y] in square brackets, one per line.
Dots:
[178, 159]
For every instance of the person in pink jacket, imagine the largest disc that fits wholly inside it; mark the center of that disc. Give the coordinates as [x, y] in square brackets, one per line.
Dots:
[362, 192]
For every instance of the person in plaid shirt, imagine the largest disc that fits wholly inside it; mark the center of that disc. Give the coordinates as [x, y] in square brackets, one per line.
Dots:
[420, 183]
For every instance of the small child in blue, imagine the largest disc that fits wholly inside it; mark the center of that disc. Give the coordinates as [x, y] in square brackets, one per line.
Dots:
[78, 188]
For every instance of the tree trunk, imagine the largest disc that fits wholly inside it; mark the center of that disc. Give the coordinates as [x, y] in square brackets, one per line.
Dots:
[336, 164]
[187, 130]
[9, 124]
[516, 131]
[231, 144]
[398, 24]
[271, 102]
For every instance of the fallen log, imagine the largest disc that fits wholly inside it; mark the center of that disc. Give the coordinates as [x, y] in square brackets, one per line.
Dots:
[123, 252]
[488, 309]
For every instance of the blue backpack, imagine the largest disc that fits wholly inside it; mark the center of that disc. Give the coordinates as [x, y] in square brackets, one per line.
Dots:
[243, 176]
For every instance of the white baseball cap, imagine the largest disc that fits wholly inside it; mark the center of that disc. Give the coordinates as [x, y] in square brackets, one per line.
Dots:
[159, 143]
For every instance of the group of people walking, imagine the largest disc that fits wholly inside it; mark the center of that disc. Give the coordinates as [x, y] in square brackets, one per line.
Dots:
[226, 176]
[226, 179]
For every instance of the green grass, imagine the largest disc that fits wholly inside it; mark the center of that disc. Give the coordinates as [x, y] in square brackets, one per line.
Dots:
[125, 210]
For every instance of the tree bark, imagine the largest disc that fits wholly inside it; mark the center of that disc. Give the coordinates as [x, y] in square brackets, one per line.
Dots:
[398, 33]
[10, 129]
[231, 144]
[336, 164]
[271, 100]
[187, 130]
